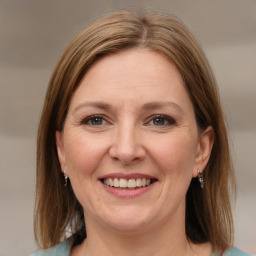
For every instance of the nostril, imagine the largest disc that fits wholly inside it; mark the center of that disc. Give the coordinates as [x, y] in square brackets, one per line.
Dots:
[126, 159]
[127, 147]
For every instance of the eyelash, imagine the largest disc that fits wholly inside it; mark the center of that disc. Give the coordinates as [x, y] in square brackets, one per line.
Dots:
[170, 121]
[93, 118]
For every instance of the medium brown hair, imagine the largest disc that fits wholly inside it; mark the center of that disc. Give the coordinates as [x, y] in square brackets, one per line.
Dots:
[208, 211]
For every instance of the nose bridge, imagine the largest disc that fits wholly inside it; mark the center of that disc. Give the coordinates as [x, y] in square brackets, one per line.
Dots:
[127, 146]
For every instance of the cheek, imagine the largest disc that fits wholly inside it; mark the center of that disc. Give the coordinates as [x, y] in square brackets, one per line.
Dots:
[83, 159]
[175, 154]
[83, 155]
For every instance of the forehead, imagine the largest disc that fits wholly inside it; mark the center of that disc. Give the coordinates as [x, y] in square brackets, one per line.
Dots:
[135, 62]
[138, 74]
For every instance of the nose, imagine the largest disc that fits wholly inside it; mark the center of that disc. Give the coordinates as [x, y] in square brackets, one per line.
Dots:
[127, 146]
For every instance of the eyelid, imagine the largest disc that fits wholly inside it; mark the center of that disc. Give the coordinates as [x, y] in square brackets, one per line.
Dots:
[85, 120]
[171, 120]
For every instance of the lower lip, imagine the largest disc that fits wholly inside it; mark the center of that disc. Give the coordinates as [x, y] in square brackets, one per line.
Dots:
[128, 193]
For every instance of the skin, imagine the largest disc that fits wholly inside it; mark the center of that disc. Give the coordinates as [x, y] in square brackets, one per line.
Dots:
[133, 87]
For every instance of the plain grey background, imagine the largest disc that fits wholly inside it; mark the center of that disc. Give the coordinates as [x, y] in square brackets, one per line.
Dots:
[34, 33]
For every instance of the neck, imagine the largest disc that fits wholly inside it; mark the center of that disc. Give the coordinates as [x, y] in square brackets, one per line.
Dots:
[166, 239]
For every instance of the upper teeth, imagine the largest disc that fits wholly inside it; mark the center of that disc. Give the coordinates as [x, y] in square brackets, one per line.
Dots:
[124, 183]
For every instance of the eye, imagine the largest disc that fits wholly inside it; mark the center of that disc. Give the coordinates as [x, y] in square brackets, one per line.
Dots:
[94, 120]
[161, 120]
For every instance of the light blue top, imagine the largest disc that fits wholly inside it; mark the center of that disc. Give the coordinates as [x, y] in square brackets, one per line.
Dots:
[63, 249]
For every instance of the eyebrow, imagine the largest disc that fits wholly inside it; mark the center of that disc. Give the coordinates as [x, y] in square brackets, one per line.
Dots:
[160, 104]
[148, 106]
[99, 105]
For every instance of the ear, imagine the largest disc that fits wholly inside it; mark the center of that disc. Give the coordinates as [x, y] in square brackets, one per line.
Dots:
[60, 150]
[204, 149]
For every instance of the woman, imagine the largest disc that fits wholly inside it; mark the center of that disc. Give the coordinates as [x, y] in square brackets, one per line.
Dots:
[133, 155]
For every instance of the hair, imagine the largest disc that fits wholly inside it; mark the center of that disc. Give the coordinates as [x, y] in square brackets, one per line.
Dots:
[208, 212]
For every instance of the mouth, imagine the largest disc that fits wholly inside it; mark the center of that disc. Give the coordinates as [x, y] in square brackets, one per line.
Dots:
[131, 184]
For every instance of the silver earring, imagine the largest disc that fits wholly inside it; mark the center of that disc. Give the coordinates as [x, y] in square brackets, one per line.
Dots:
[201, 179]
[66, 178]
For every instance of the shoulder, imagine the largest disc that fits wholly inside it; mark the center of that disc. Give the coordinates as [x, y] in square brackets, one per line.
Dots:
[62, 249]
[235, 252]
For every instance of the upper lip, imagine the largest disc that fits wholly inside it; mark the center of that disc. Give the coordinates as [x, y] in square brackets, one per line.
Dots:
[127, 176]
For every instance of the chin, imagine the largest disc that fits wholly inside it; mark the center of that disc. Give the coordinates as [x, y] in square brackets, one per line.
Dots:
[129, 220]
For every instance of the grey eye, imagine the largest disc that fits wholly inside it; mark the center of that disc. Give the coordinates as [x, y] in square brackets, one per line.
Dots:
[94, 120]
[162, 120]
[159, 121]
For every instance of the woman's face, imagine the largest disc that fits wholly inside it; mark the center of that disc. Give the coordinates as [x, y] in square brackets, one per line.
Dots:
[130, 143]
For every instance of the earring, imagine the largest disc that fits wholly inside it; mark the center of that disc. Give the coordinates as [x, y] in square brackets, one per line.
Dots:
[201, 179]
[66, 178]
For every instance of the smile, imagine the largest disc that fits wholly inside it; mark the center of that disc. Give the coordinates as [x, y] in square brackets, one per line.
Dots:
[127, 183]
